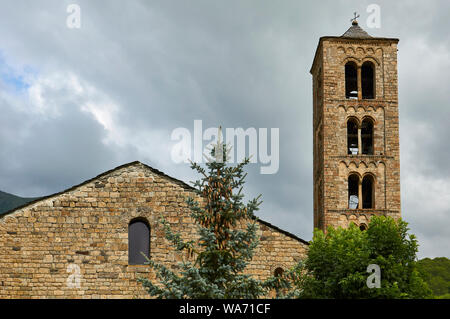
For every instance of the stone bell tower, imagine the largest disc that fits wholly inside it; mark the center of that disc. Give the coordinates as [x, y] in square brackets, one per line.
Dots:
[356, 133]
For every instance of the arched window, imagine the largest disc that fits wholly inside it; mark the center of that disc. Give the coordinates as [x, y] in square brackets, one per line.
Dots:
[352, 136]
[351, 80]
[368, 191]
[138, 241]
[363, 227]
[353, 184]
[368, 80]
[278, 272]
[367, 136]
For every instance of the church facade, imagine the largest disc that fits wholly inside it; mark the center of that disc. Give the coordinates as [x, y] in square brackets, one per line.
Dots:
[83, 242]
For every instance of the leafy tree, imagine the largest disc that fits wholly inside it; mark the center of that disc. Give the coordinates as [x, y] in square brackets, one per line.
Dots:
[436, 273]
[224, 246]
[337, 262]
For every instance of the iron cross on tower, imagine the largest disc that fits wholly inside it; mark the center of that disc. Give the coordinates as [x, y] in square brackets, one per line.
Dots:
[356, 16]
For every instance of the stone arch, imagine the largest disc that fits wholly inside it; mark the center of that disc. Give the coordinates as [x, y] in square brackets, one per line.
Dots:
[343, 221]
[353, 166]
[351, 110]
[371, 59]
[363, 163]
[354, 118]
[361, 109]
[280, 265]
[363, 219]
[372, 165]
[351, 59]
[371, 108]
[350, 50]
[352, 219]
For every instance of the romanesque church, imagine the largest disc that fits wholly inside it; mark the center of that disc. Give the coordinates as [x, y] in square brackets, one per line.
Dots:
[84, 241]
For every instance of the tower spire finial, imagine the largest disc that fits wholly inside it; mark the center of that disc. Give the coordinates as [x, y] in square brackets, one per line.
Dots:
[353, 20]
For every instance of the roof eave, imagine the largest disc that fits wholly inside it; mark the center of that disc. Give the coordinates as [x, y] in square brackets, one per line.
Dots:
[371, 39]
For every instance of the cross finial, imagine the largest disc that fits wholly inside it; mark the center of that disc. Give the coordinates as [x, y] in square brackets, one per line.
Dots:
[356, 16]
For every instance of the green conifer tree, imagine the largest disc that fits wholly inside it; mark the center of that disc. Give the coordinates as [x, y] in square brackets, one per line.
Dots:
[227, 238]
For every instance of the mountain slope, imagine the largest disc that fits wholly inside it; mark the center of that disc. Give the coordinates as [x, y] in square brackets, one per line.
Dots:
[10, 201]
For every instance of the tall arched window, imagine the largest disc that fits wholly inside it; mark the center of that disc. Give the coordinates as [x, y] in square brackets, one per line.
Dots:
[351, 80]
[367, 136]
[138, 241]
[368, 80]
[353, 188]
[352, 136]
[368, 195]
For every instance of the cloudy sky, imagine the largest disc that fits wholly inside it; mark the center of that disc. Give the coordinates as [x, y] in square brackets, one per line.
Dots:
[77, 102]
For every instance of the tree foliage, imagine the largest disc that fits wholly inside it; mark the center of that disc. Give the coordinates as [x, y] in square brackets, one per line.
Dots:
[337, 262]
[436, 273]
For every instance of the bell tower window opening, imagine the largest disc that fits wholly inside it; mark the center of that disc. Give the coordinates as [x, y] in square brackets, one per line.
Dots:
[367, 137]
[368, 192]
[352, 137]
[351, 80]
[368, 80]
[353, 191]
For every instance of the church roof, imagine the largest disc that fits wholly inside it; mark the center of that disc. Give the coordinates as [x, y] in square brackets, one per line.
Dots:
[354, 34]
[137, 163]
[355, 31]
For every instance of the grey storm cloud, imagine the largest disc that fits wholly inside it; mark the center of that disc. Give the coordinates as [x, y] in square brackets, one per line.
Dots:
[113, 91]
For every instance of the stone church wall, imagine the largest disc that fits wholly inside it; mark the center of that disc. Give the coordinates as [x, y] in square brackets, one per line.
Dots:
[86, 229]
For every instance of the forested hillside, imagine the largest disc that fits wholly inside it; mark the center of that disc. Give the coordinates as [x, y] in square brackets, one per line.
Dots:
[436, 273]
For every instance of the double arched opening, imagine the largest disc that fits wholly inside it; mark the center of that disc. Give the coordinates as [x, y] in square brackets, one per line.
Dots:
[359, 80]
[360, 136]
[361, 191]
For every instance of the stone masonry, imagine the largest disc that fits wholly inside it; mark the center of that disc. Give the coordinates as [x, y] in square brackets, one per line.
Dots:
[85, 229]
[331, 111]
